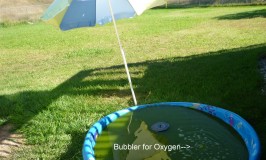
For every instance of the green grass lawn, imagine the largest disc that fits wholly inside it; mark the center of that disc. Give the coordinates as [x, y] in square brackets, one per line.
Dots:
[54, 85]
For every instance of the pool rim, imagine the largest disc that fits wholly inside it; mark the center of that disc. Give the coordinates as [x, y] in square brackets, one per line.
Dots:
[243, 128]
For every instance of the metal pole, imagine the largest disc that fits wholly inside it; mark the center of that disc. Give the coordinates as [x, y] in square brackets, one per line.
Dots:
[123, 54]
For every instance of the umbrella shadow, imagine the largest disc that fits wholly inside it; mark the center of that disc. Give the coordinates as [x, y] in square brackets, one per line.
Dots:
[194, 78]
[198, 79]
[244, 15]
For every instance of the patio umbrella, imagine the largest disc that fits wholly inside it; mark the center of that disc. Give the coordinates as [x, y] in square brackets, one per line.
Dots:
[70, 14]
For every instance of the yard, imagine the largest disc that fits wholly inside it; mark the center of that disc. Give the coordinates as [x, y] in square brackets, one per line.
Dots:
[54, 85]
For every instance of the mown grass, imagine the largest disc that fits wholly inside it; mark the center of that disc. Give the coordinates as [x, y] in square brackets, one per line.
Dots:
[54, 85]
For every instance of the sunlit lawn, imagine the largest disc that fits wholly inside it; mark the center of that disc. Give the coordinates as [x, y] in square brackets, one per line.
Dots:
[54, 85]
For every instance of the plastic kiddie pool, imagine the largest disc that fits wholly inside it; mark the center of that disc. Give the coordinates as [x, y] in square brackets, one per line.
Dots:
[171, 130]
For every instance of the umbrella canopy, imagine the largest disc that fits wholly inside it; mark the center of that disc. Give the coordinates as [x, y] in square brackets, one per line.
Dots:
[69, 14]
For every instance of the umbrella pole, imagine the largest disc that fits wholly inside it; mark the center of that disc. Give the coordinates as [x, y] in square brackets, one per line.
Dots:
[123, 54]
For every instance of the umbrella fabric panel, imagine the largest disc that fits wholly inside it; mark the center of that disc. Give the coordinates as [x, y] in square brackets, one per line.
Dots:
[121, 9]
[55, 8]
[56, 12]
[58, 18]
[141, 5]
[80, 13]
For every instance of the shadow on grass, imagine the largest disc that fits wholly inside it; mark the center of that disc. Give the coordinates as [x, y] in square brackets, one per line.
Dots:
[244, 15]
[74, 150]
[229, 79]
[184, 6]
[20, 107]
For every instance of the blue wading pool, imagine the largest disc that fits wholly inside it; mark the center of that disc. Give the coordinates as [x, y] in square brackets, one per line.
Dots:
[170, 131]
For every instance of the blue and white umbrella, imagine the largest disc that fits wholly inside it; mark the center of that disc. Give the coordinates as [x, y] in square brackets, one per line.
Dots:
[70, 14]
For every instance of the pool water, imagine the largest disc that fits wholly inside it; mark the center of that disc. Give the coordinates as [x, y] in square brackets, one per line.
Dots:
[192, 135]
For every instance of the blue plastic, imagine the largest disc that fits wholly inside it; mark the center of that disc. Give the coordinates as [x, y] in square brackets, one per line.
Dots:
[79, 14]
[245, 130]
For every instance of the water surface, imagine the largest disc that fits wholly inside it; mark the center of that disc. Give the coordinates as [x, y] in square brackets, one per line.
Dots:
[192, 135]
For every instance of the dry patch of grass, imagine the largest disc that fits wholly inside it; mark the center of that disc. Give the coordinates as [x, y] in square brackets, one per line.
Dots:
[12, 3]
[24, 13]
[22, 10]
[9, 141]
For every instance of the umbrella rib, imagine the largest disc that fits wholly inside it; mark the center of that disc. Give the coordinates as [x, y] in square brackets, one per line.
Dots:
[123, 54]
